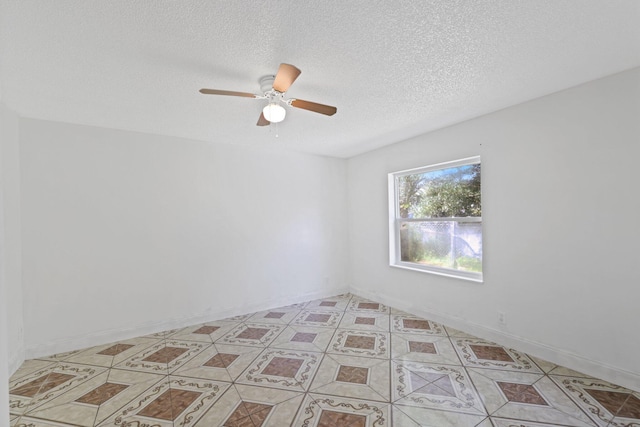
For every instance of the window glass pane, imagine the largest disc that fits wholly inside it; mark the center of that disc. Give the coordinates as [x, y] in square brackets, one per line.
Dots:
[443, 193]
[446, 244]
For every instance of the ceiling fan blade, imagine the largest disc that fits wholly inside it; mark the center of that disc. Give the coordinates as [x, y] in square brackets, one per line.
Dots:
[315, 107]
[287, 74]
[227, 92]
[262, 121]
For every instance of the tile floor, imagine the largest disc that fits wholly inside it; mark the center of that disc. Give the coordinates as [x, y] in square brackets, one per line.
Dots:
[342, 361]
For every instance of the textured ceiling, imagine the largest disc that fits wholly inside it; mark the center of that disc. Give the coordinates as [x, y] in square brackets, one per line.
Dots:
[394, 69]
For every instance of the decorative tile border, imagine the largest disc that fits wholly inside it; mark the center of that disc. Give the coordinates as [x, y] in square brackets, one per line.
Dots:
[318, 318]
[31, 391]
[416, 325]
[360, 343]
[434, 386]
[526, 396]
[164, 357]
[316, 408]
[607, 404]
[349, 376]
[285, 369]
[251, 334]
[423, 348]
[178, 400]
[486, 354]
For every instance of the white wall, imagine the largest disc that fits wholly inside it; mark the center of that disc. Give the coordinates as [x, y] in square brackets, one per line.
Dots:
[12, 271]
[560, 223]
[126, 232]
[11, 331]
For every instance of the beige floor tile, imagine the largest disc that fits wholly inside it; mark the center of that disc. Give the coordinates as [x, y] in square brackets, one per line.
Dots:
[423, 348]
[526, 396]
[318, 318]
[416, 325]
[94, 400]
[334, 410]
[360, 343]
[283, 369]
[175, 400]
[219, 362]
[607, 404]
[431, 386]
[411, 416]
[346, 376]
[251, 334]
[365, 321]
[303, 338]
[164, 357]
[278, 316]
[479, 353]
[343, 361]
[111, 354]
[250, 406]
[204, 332]
[39, 387]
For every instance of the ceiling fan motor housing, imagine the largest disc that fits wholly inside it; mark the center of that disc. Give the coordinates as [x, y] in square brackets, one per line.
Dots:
[266, 83]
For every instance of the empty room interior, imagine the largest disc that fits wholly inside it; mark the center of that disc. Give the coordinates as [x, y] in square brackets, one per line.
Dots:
[441, 231]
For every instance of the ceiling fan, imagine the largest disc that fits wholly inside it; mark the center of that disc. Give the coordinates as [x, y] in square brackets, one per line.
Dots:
[273, 90]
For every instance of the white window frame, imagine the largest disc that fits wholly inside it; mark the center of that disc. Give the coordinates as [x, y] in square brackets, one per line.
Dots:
[395, 221]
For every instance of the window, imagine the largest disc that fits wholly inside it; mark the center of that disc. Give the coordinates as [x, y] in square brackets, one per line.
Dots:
[436, 219]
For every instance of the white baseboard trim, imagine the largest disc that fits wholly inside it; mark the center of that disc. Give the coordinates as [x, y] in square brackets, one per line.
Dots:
[552, 354]
[113, 335]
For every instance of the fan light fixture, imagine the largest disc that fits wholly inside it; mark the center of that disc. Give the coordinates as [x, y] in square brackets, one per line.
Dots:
[274, 112]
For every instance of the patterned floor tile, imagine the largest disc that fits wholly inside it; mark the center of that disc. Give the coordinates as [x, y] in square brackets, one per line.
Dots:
[164, 357]
[285, 369]
[250, 406]
[486, 354]
[329, 411]
[279, 316]
[526, 396]
[440, 387]
[365, 321]
[60, 357]
[347, 376]
[251, 334]
[204, 332]
[423, 348]
[506, 422]
[318, 318]
[303, 338]
[607, 404]
[412, 416]
[31, 366]
[219, 362]
[455, 333]
[416, 325]
[359, 305]
[162, 334]
[343, 361]
[111, 354]
[360, 343]
[35, 422]
[39, 387]
[94, 400]
[332, 304]
[176, 400]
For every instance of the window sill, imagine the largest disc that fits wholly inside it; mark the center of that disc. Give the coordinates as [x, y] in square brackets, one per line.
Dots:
[472, 277]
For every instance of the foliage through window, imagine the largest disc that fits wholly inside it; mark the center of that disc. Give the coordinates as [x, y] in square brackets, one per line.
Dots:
[436, 219]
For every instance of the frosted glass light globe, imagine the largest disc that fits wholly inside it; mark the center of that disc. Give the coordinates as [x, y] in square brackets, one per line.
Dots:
[274, 112]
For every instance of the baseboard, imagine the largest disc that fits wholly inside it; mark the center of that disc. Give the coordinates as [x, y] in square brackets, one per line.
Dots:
[552, 354]
[114, 335]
